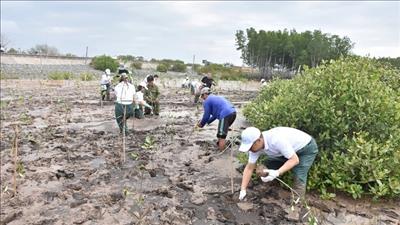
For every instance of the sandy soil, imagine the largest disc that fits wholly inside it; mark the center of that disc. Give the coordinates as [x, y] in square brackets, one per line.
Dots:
[69, 150]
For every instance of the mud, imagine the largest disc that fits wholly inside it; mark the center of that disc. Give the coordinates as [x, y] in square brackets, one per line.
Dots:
[69, 150]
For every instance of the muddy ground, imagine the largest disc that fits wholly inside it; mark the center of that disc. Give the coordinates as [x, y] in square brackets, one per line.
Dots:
[71, 172]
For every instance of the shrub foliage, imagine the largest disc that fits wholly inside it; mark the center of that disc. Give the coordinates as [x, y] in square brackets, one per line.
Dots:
[352, 108]
[103, 62]
[60, 75]
[162, 68]
[137, 65]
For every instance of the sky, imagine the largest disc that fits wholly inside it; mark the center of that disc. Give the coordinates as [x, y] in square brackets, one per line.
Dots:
[183, 29]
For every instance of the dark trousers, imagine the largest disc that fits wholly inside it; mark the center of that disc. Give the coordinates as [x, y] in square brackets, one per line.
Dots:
[120, 110]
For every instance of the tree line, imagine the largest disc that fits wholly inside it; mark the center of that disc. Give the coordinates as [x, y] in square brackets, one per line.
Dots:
[289, 49]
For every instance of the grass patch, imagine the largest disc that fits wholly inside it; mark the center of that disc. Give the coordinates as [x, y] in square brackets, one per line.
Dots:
[59, 75]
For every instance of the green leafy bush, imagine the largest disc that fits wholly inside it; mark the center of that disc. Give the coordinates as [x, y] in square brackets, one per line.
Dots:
[137, 65]
[179, 67]
[352, 107]
[103, 62]
[223, 73]
[162, 68]
[86, 76]
[60, 75]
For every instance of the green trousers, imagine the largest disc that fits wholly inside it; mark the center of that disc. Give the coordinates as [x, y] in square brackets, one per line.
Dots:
[306, 157]
[119, 115]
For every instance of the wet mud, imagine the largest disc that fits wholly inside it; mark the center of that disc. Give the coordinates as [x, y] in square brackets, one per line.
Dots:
[70, 169]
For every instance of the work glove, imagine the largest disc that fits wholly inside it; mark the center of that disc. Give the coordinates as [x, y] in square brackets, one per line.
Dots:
[272, 174]
[242, 194]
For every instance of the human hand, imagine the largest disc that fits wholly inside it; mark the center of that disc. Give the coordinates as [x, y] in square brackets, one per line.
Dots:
[272, 174]
[242, 194]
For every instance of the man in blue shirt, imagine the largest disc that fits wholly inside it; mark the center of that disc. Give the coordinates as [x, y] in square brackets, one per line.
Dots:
[217, 107]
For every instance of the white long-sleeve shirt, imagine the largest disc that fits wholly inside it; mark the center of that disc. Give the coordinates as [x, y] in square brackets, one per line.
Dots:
[105, 79]
[125, 93]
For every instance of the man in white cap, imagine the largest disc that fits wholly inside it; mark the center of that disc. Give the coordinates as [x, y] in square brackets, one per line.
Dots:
[217, 107]
[125, 93]
[286, 148]
[105, 83]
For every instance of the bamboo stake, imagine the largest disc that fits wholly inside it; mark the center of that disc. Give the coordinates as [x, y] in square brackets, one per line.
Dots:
[123, 135]
[15, 146]
[232, 168]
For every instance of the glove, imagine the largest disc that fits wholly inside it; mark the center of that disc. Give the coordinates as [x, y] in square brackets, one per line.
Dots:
[242, 194]
[272, 174]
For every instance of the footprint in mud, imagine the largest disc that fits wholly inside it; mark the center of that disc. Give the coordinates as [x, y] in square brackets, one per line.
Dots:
[62, 173]
[206, 145]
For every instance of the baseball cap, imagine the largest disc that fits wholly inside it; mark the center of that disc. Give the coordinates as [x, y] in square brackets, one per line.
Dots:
[205, 90]
[249, 136]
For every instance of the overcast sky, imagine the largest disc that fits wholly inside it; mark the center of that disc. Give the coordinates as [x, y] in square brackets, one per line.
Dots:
[179, 30]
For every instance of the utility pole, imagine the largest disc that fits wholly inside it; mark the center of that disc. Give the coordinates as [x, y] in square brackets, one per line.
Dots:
[87, 49]
[194, 56]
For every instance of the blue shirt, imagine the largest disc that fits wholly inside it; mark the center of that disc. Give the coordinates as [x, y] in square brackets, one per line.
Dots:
[216, 107]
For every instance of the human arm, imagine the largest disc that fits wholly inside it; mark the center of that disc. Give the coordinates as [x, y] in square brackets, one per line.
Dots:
[146, 105]
[248, 171]
[206, 116]
[288, 165]
[211, 119]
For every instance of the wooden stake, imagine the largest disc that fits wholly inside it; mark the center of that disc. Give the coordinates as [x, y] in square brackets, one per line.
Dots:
[232, 168]
[123, 135]
[15, 146]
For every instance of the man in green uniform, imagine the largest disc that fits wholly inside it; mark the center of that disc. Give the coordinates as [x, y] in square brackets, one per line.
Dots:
[151, 96]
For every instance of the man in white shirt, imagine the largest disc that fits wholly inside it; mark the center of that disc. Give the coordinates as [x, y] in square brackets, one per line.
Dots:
[125, 93]
[195, 88]
[286, 148]
[106, 80]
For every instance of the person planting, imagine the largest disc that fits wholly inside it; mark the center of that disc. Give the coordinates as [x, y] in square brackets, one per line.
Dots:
[217, 107]
[141, 103]
[287, 148]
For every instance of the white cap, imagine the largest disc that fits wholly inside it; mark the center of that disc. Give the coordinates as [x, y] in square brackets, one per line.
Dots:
[108, 71]
[205, 90]
[249, 136]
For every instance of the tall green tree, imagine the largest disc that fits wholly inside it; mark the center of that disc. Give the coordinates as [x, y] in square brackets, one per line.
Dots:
[289, 49]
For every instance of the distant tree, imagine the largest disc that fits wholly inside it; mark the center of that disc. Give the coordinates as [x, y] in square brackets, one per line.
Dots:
[12, 51]
[179, 67]
[137, 65]
[395, 62]
[70, 55]
[162, 68]
[4, 42]
[104, 62]
[289, 49]
[43, 49]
